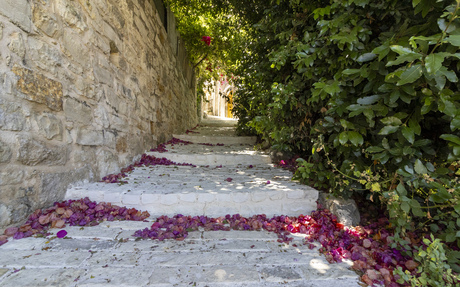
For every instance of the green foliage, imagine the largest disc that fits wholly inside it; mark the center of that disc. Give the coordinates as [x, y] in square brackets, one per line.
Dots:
[433, 269]
[366, 92]
[371, 87]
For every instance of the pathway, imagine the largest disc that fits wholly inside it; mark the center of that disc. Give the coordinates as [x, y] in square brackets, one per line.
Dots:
[227, 179]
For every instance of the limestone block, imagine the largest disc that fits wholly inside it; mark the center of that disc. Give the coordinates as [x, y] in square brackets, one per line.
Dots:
[107, 162]
[346, 210]
[5, 215]
[74, 47]
[16, 45]
[45, 21]
[49, 126]
[12, 117]
[54, 185]
[102, 71]
[101, 117]
[77, 111]
[90, 137]
[11, 176]
[72, 14]
[5, 153]
[38, 88]
[19, 12]
[33, 152]
[45, 56]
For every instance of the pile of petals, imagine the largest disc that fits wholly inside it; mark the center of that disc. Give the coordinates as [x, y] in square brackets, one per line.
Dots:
[146, 160]
[209, 144]
[368, 247]
[161, 148]
[191, 131]
[82, 212]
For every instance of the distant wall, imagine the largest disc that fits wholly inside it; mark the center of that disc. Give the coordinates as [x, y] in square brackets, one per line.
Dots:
[85, 88]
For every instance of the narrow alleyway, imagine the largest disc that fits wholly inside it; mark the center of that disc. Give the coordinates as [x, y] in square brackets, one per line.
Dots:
[224, 176]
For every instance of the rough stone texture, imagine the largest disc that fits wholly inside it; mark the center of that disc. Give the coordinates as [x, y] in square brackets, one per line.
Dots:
[33, 152]
[38, 88]
[5, 152]
[346, 210]
[18, 12]
[84, 85]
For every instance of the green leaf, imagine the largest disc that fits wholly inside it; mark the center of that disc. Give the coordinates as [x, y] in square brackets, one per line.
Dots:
[355, 138]
[391, 121]
[366, 57]
[433, 62]
[455, 123]
[419, 167]
[410, 75]
[382, 51]
[409, 134]
[452, 138]
[343, 138]
[457, 208]
[454, 40]
[351, 71]
[386, 130]
[368, 100]
[374, 149]
[405, 207]
[401, 50]
[416, 208]
[332, 89]
[404, 58]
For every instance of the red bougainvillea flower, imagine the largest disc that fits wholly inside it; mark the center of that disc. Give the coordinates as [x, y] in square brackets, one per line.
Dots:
[206, 40]
[61, 234]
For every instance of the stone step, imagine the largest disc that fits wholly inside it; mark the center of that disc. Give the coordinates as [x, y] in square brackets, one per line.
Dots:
[108, 255]
[209, 139]
[214, 159]
[205, 191]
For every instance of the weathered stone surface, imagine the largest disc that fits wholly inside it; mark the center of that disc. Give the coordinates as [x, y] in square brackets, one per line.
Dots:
[11, 176]
[54, 185]
[38, 88]
[33, 152]
[45, 21]
[107, 162]
[101, 117]
[12, 117]
[90, 137]
[5, 153]
[346, 210]
[74, 47]
[77, 111]
[19, 12]
[49, 126]
[5, 216]
[16, 45]
[1, 30]
[45, 56]
[72, 14]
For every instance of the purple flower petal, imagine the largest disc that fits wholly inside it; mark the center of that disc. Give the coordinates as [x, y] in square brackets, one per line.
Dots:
[61, 234]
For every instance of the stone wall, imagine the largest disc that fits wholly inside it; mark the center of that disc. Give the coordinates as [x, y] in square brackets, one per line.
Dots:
[86, 87]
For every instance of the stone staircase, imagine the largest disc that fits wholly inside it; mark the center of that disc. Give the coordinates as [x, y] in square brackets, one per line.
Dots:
[229, 177]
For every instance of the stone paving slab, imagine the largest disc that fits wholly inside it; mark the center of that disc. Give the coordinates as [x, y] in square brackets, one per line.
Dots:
[205, 258]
